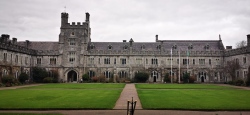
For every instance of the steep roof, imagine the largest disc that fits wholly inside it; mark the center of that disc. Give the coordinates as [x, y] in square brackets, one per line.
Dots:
[183, 45]
[40, 45]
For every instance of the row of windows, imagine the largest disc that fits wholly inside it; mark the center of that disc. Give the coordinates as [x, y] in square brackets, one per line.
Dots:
[5, 57]
[107, 74]
[92, 46]
[52, 61]
[154, 61]
[124, 74]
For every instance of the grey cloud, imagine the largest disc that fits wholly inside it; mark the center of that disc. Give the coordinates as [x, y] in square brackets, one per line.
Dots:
[115, 20]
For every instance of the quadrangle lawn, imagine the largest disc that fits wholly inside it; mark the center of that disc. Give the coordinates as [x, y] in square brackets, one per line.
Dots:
[192, 97]
[62, 96]
[104, 96]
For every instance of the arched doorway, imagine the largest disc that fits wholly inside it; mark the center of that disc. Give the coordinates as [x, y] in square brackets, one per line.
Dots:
[72, 76]
[154, 74]
[202, 76]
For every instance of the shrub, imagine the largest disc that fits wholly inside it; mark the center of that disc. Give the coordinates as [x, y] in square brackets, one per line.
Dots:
[111, 80]
[16, 82]
[191, 79]
[48, 80]
[231, 82]
[1, 84]
[23, 77]
[141, 77]
[239, 82]
[55, 76]
[7, 79]
[186, 78]
[166, 78]
[39, 74]
[102, 78]
[85, 78]
[94, 79]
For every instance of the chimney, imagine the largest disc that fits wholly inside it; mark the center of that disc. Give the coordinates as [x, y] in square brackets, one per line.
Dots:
[87, 17]
[14, 40]
[27, 43]
[5, 37]
[156, 38]
[228, 47]
[248, 40]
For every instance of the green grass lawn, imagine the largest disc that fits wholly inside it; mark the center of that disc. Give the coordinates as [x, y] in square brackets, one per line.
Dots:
[79, 86]
[62, 96]
[192, 97]
[180, 86]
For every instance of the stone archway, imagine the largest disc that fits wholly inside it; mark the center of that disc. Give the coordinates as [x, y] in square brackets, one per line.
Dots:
[72, 76]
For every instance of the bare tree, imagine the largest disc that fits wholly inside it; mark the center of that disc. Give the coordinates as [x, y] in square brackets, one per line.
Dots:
[231, 67]
[241, 44]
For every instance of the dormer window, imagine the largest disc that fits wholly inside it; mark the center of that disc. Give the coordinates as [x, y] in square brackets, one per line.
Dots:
[206, 46]
[125, 47]
[92, 46]
[109, 47]
[142, 47]
[174, 47]
[190, 47]
[158, 47]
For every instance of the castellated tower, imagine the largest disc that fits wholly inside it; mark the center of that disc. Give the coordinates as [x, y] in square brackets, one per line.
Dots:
[73, 41]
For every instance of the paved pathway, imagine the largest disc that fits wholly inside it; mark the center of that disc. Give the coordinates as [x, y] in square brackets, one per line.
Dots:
[128, 92]
[239, 87]
[21, 86]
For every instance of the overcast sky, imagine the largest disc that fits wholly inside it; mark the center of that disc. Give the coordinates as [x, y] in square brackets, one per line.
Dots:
[117, 20]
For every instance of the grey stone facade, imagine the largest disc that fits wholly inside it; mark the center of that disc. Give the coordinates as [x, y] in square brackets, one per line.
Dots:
[74, 55]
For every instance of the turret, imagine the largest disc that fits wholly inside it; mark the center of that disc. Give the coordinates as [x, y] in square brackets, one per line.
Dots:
[64, 20]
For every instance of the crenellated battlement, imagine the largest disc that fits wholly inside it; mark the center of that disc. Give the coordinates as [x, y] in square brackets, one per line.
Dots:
[11, 45]
[238, 51]
[66, 24]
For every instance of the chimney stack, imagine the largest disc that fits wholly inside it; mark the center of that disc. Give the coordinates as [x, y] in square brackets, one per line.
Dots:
[87, 17]
[5, 37]
[27, 43]
[248, 40]
[14, 40]
[156, 38]
[228, 47]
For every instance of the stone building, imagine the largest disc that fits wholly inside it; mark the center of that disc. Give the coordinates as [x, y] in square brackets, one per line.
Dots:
[74, 55]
